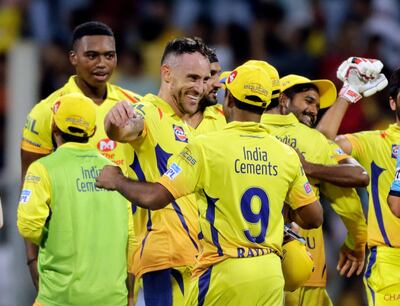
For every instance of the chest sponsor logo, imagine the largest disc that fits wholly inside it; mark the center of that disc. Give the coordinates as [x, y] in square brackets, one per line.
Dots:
[307, 187]
[25, 196]
[106, 145]
[395, 150]
[179, 133]
[173, 171]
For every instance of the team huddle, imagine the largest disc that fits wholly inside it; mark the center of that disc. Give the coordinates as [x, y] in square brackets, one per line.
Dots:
[200, 203]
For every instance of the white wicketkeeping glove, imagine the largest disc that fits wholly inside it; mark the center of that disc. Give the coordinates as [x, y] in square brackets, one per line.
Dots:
[366, 68]
[361, 77]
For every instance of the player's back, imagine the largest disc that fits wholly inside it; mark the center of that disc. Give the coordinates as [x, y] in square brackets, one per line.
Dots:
[246, 177]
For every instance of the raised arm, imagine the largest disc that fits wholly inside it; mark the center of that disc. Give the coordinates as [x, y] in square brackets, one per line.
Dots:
[361, 78]
[122, 123]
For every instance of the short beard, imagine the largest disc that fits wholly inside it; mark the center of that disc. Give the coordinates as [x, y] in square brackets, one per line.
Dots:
[205, 102]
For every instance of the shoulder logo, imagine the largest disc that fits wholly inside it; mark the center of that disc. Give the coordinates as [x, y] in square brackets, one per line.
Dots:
[173, 171]
[395, 150]
[106, 145]
[179, 133]
[25, 196]
[339, 151]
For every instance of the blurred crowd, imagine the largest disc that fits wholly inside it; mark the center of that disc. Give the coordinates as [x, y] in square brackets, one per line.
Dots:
[306, 37]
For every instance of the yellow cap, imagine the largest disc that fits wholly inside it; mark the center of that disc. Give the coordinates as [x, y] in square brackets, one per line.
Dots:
[273, 74]
[250, 84]
[75, 114]
[297, 264]
[327, 90]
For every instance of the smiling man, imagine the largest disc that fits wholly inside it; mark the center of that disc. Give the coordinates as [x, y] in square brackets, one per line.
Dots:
[94, 58]
[157, 128]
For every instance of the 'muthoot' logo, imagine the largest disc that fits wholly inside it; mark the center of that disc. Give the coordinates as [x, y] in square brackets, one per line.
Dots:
[106, 145]
[180, 134]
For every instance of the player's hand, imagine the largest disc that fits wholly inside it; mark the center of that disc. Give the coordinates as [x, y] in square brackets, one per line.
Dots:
[350, 261]
[364, 68]
[122, 114]
[361, 77]
[109, 177]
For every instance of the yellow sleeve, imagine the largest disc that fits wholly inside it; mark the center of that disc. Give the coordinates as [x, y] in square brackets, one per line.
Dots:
[36, 135]
[357, 145]
[337, 152]
[34, 203]
[346, 203]
[300, 192]
[132, 241]
[184, 173]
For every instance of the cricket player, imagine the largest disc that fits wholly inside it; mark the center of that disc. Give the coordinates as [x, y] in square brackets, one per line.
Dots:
[241, 176]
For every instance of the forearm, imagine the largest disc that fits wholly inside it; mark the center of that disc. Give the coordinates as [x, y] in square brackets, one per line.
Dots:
[144, 194]
[345, 175]
[331, 120]
[32, 252]
[346, 203]
[394, 204]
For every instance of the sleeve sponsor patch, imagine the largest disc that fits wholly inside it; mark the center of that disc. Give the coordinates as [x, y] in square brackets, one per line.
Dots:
[339, 151]
[32, 178]
[307, 187]
[25, 196]
[397, 175]
[173, 171]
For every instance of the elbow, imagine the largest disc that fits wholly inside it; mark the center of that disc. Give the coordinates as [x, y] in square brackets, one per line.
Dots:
[314, 222]
[315, 218]
[394, 204]
[363, 179]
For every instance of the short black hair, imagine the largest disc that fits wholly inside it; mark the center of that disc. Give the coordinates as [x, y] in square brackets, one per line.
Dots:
[91, 28]
[212, 55]
[292, 91]
[394, 84]
[182, 45]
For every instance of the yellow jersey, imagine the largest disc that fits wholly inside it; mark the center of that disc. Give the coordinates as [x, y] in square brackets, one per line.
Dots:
[241, 177]
[213, 120]
[377, 152]
[168, 237]
[36, 135]
[316, 149]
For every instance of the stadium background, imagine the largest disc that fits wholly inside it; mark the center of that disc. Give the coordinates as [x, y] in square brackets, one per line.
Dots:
[306, 37]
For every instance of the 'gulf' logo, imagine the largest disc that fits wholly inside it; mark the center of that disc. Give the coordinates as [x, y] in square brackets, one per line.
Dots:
[106, 145]
[180, 134]
[395, 150]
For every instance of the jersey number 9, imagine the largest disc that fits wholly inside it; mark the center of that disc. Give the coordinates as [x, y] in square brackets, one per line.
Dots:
[262, 216]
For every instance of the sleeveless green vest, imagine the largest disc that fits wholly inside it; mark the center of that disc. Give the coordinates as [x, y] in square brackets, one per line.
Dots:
[82, 256]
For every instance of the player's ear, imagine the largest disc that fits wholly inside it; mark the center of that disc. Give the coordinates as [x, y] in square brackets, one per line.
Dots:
[166, 73]
[284, 101]
[392, 103]
[72, 58]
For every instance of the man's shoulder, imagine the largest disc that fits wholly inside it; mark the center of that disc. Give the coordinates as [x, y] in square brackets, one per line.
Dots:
[118, 93]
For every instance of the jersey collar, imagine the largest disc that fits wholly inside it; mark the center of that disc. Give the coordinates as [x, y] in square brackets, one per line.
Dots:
[112, 93]
[77, 145]
[395, 128]
[245, 125]
[279, 119]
